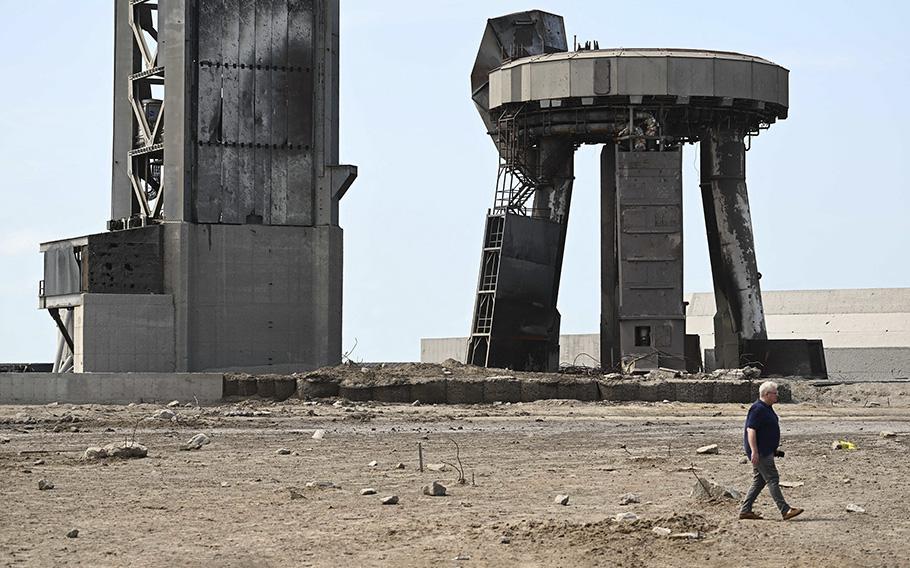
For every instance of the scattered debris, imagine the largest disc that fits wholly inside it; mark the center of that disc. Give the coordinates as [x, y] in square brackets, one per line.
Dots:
[843, 445]
[710, 449]
[561, 500]
[791, 484]
[461, 557]
[625, 517]
[319, 434]
[887, 434]
[121, 450]
[225, 484]
[238, 412]
[196, 442]
[173, 404]
[44, 485]
[415, 403]
[390, 500]
[399, 465]
[705, 489]
[435, 489]
[93, 453]
[852, 508]
[661, 531]
[73, 533]
[283, 451]
[165, 414]
[687, 535]
[368, 491]
[629, 498]
[321, 485]
[504, 540]
[373, 463]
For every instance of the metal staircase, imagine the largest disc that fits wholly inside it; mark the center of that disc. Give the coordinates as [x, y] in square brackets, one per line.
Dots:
[514, 187]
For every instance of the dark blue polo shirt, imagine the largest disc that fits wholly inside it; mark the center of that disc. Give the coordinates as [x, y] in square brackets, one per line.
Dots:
[763, 420]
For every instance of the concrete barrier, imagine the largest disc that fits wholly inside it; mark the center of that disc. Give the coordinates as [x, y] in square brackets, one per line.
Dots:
[355, 392]
[539, 389]
[578, 389]
[109, 388]
[285, 388]
[317, 387]
[464, 391]
[265, 387]
[429, 391]
[399, 392]
[501, 389]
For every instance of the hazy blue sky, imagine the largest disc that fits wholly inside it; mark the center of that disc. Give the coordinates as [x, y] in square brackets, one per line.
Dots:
[828, 186]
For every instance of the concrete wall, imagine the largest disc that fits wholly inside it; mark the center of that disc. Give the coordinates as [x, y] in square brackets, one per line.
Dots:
[438, 349]
[866, 332]
[870, 317]
[109, 388]
[258, 297]
[577, 349]
[124, 333]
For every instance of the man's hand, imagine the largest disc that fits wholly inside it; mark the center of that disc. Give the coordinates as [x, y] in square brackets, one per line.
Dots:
[752, 438]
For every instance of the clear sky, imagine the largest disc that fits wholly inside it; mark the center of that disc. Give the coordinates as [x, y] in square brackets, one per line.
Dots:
[828, 186]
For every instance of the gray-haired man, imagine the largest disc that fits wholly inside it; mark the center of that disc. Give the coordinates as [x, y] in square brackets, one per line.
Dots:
[761, 436]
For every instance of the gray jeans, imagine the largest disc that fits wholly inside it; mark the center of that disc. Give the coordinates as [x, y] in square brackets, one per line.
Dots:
[765, 473]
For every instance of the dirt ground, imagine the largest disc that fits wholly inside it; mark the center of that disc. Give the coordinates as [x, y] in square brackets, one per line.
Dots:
[238, 502]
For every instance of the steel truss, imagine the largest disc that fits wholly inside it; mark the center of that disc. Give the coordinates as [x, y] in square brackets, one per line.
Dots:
[145, 162]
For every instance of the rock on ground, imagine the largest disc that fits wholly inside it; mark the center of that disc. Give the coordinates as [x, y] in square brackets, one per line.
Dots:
[705, 489]
[368, 491]
[629, 498]
[165, 414]
[121, 450]
[126, 450]
[73, 533]
[196, 442]
[390, 500]
[561, 500]
[435, 489]
[710, 449]
[44, 485]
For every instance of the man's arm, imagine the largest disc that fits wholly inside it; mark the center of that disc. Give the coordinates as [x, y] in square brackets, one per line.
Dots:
[752, 436]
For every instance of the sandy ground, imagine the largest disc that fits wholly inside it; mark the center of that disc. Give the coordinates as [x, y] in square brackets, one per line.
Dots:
[237, 502]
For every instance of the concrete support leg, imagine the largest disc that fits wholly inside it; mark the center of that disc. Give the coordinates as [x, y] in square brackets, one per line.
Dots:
[610, 353]
[728, 222]
[556, 172]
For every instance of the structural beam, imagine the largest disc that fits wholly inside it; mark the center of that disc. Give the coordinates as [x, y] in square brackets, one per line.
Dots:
[728, 222]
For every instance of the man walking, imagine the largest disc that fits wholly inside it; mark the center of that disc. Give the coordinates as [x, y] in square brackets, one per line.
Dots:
[761, 436]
